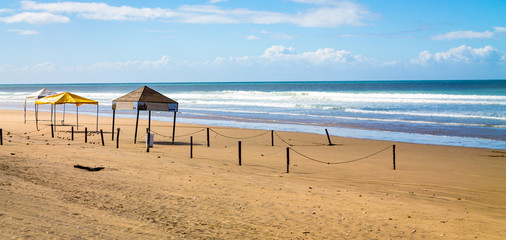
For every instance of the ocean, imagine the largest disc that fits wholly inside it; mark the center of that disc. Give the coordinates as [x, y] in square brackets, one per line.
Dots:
[470, 113]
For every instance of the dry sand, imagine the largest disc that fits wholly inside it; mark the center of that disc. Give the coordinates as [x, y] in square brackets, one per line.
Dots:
[437, 192]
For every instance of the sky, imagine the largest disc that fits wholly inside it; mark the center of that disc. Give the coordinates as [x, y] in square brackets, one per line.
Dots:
[251, 40]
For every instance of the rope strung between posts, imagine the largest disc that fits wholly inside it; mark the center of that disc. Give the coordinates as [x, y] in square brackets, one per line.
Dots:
[283, 140]
[240, 137]
[185, 135]
[189, 134]
[349, 161]
[38, 130]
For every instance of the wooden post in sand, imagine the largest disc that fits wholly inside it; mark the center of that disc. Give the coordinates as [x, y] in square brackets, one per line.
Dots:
[147, 139]
[207, 137]
[52, 131]
[85, 135]
[328, 137]
[72, 128]
[136, 125]
[117, 138]
[393, 151]
[288, 160]
[1, 137]
[102, 136]
[272, 138]
[240, 159]
[191, 147]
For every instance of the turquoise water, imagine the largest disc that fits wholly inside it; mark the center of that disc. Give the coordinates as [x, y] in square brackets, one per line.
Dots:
[458, 113]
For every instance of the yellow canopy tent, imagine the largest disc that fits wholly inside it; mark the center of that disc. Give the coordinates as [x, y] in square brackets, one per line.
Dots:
[64, 98]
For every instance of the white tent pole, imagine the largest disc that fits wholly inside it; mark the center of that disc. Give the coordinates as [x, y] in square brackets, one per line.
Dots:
[55, 117]
[36, 109]
[63, 122]
[37, 116]
[113, 116]
[25, 110]
[97, 117]
[77, 116]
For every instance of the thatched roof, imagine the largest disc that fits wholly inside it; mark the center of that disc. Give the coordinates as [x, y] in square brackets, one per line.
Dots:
[144, 94]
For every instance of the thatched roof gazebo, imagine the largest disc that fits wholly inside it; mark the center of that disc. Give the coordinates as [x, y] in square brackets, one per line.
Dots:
[145, 99]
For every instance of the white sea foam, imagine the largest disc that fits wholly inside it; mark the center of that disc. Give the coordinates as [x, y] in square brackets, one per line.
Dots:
[341, 117]
[428, 114]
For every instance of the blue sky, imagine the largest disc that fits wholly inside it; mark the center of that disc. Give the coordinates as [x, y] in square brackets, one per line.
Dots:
[231, 40]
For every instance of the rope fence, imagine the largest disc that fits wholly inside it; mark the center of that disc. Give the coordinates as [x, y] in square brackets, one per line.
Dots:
[343, 162]
[242, 138]
[97, 137]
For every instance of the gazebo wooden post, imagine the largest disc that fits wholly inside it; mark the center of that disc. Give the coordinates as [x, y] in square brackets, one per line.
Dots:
[149, 121]
[136, 125]
[174, 128]
[113, 116]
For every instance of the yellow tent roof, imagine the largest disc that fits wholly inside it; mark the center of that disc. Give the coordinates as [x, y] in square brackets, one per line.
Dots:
[65, 97]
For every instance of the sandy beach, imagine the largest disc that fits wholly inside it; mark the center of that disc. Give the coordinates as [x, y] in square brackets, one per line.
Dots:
[436, 192]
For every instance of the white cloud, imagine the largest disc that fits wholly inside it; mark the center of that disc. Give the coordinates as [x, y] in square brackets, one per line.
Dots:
[318, 57]
[252, 37]
[281, 36]
[40, 67]
[337, 14]
[278, 52]
[216, 1]
[321, 2]
[461, 54]
[35, 18]
[99, 11]
[276, 35]
[500, 29]
[468, 34]
[23, 32]
[146, 64]
[462, 35]
[344, 13]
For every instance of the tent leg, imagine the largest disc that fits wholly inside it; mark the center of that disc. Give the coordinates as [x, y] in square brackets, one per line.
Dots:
[25, 110]
[37, 116]
[174, 128]
[63, 122]
[113, 116]
[136, 125]
[36, 109]
[55, 121]
[97, 119]
[77, 117]
[51, 113]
